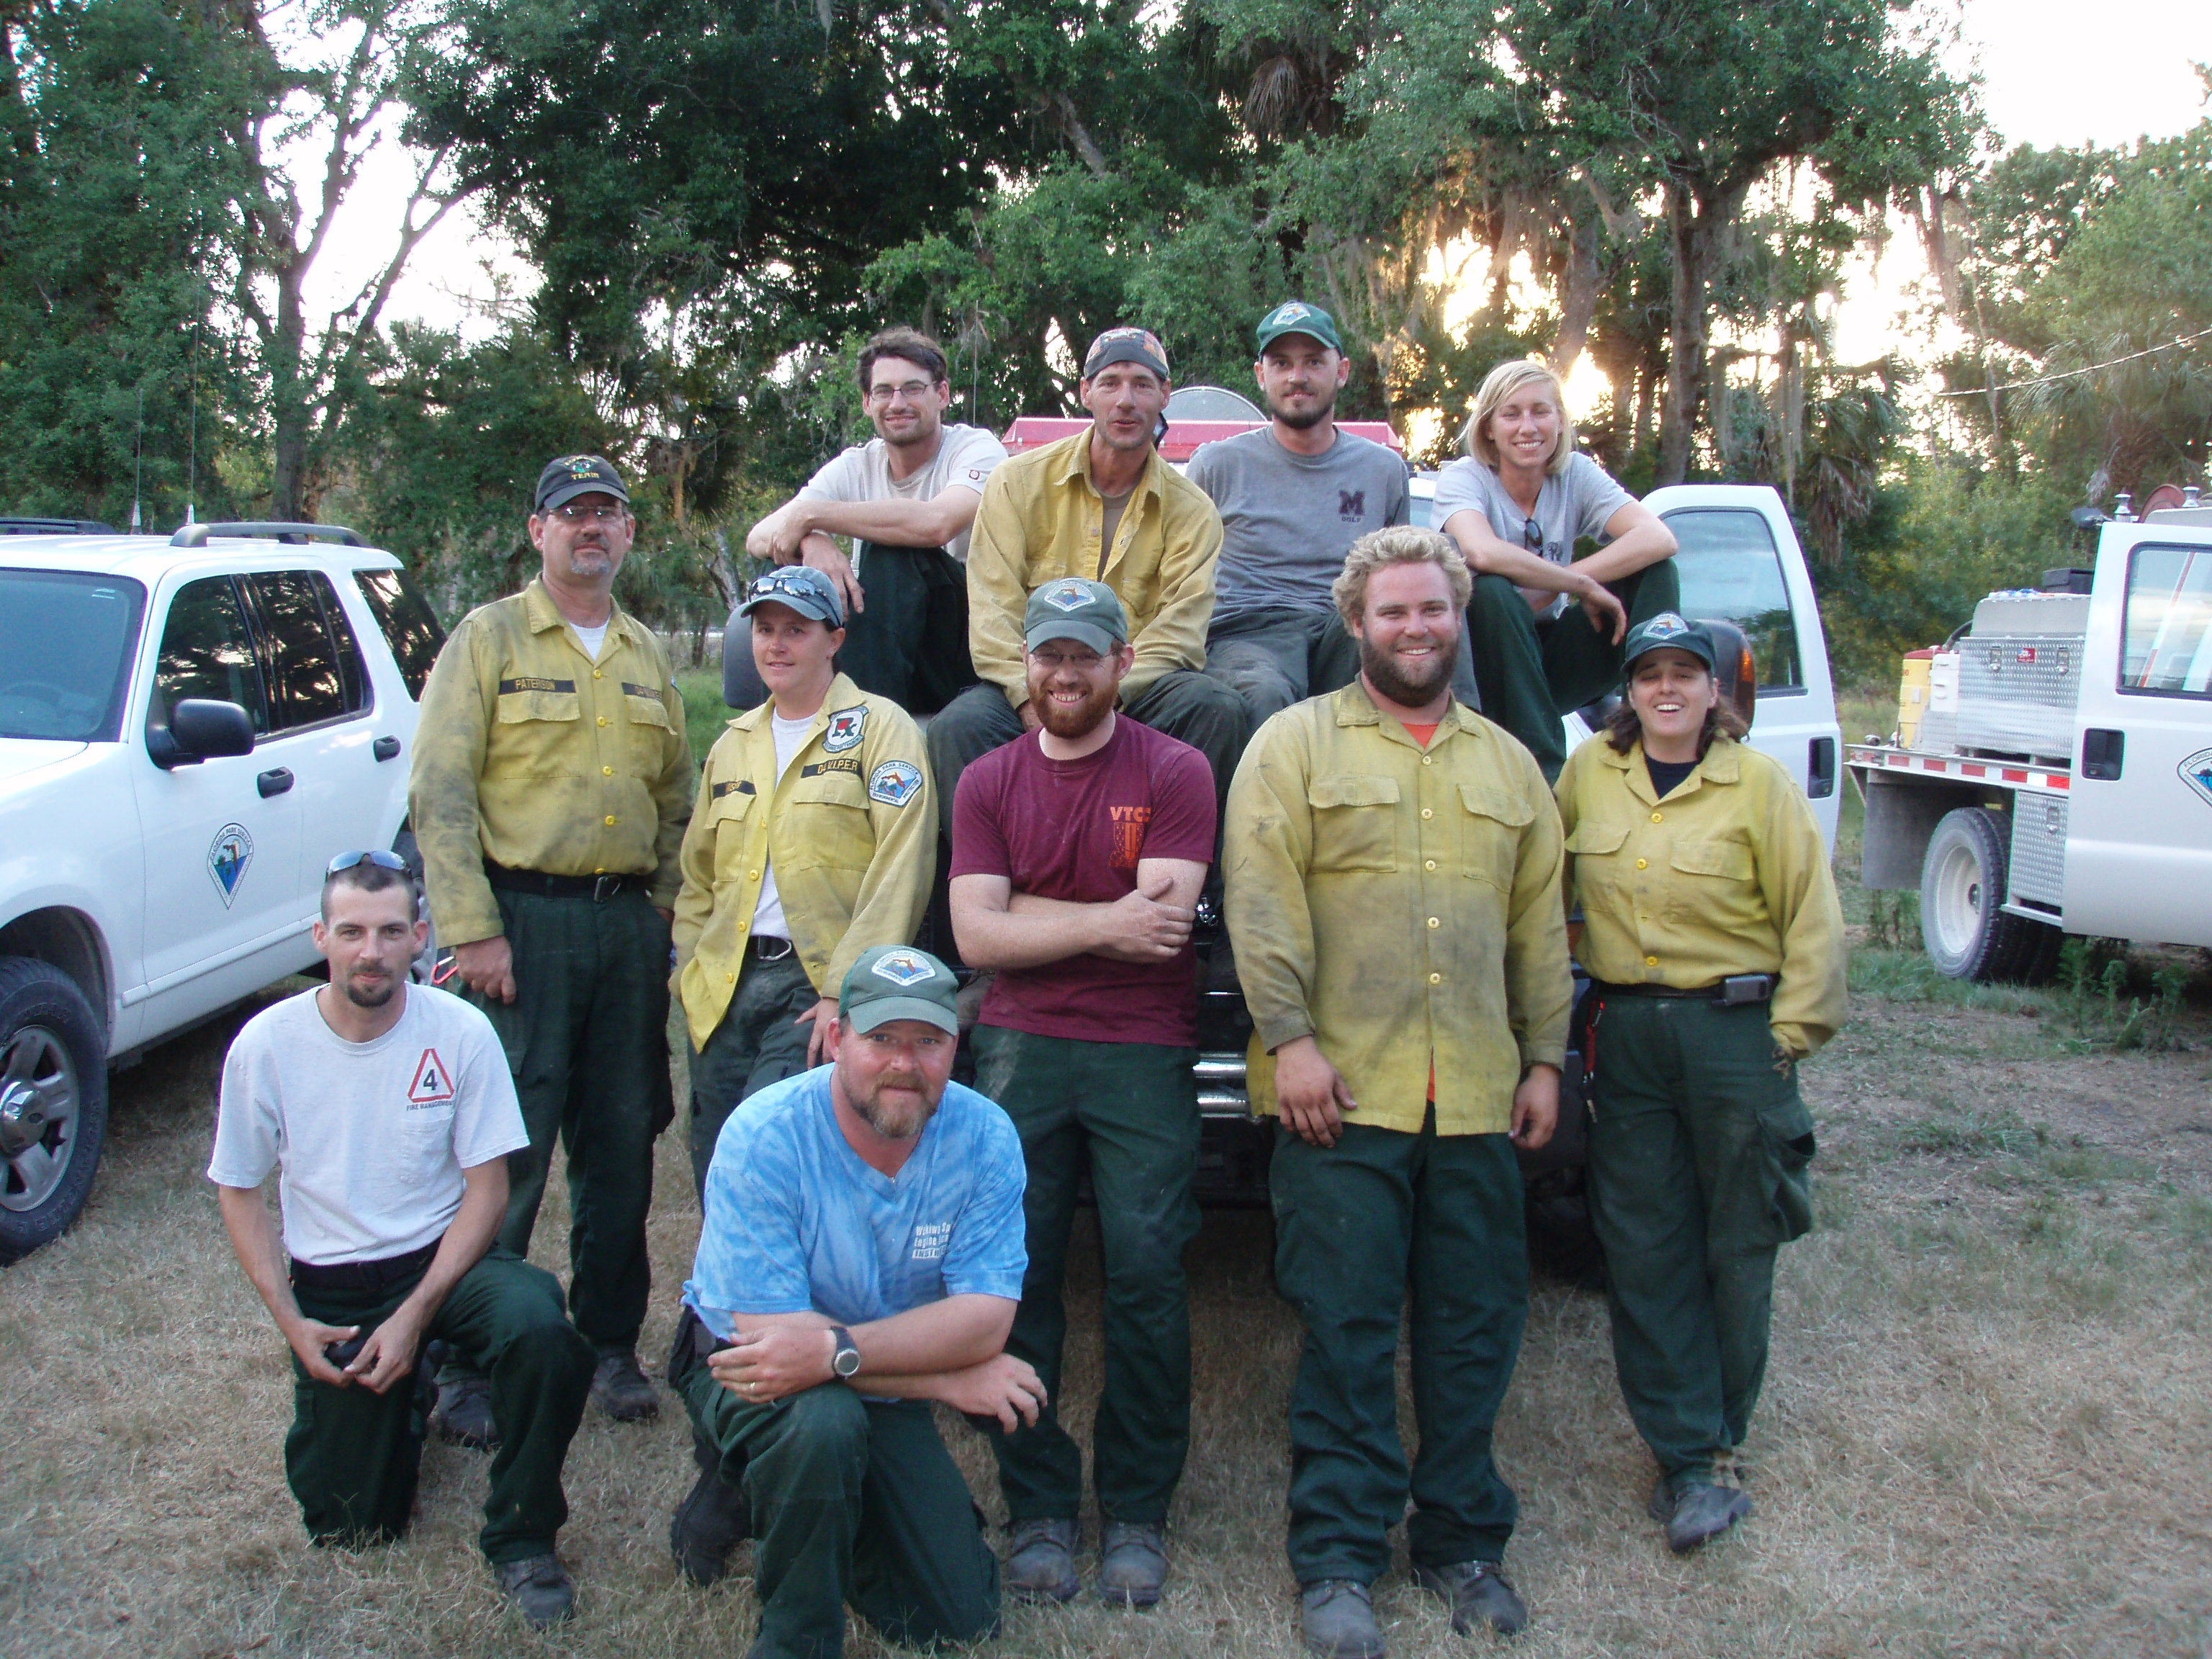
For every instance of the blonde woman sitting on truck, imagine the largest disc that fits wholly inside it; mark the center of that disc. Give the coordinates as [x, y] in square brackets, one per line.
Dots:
[1710, 925]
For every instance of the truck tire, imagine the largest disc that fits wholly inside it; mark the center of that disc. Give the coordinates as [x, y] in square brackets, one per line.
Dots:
[53, 1102]
[1964, 927]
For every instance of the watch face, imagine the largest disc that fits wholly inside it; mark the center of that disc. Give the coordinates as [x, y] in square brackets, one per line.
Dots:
[846, 1362]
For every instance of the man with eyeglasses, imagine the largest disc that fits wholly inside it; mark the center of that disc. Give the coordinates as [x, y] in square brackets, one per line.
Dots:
[1100, 506]
[1077, 855]
[387, 1114]
[906, 500]
[551, 785]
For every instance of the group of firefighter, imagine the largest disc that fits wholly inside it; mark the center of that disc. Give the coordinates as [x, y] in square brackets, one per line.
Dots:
[994, 762]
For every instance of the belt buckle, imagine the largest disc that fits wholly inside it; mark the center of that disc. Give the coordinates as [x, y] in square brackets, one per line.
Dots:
[604, 888]
[766, 955]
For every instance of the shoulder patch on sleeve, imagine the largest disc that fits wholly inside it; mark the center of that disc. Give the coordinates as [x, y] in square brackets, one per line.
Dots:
[894, 782]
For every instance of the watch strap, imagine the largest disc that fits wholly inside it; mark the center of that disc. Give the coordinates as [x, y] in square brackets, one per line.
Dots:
[844, 1345]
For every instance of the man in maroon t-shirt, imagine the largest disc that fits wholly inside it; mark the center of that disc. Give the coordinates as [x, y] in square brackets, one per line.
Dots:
[1078, 852]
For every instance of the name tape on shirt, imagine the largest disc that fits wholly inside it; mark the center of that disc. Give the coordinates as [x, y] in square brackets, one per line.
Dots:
[645, 692]
[533, 683]
[732, 786]
[816, 768]
[845, 729]
[433, 1083]
[894, 782]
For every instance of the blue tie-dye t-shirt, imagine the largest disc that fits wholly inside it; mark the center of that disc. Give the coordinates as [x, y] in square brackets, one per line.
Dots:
[797, 1222]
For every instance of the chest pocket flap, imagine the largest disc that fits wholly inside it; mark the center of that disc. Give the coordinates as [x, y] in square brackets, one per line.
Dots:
[1490, 834]
[833, 782]
[1597, 839]
[1345, 790]
[642, 704]
[537, 700]
[1486, 802]
[1730, 859]
[729, 799]
[1353, 827]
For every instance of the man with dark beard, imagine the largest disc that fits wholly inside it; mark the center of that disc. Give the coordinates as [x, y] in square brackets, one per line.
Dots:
[387, 1112]
[1292, 495]
[859, 1259]
[1393, 867]
[1077, 851]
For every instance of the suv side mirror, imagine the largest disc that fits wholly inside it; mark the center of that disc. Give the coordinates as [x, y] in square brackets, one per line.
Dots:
[200, 728]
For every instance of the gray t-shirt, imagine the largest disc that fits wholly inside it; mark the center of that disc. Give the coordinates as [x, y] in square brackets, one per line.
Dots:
[965, 456]
[1572, 504]
[371, 1137]
[1286, 520]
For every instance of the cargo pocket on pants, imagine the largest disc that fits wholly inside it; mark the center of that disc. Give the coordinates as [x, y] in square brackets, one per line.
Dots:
[1787, 1128]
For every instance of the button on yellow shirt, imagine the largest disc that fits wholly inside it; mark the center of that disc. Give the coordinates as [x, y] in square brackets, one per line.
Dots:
[1733, 877]
[1399, 911]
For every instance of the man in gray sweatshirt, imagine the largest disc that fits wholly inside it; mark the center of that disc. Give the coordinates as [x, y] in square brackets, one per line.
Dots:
[1294, 495]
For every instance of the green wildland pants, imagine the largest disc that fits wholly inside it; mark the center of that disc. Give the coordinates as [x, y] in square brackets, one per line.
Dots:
[1128, 1111]
[352, 1457]
[1699, 1157]
[587, 1038]
[1273, 659]
[853, 1501]
[1381, 1218]
[1532, 672]
[758, 1042]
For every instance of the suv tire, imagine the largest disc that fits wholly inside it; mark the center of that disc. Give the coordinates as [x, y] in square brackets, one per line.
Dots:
[53, 1102]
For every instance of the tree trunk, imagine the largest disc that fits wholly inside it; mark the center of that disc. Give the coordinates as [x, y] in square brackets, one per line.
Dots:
[1578, 298]
[1689, 233]
[291, 417]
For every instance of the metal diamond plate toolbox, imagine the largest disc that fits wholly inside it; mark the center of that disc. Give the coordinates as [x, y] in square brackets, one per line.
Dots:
[2038, 848]
[2017, 692]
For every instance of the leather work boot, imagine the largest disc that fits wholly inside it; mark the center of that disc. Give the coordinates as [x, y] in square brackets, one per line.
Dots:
[1699, 1513]
[464, 1413]
[622, 1389]
[1478, 1594]
[1132, 1563]
[1338, 1618]
[540, 1589]
[713, 1520]
[1041, 1560]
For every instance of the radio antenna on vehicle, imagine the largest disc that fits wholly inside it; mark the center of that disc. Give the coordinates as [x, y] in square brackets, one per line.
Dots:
[138, 461]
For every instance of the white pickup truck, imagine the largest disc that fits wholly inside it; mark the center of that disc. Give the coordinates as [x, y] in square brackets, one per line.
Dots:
[190, 730]
[2051, 774]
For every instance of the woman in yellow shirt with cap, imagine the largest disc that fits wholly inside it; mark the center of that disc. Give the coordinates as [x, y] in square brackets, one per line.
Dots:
[1711, 928]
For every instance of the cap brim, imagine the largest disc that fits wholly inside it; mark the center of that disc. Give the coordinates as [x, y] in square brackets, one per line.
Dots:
[562, 494]
[1083, 633]
[1703, 654]
[1126, 354]
[882, 1011]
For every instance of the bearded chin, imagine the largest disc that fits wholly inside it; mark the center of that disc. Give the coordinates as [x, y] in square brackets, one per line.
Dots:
[1302, 422]
[1385, 676]
[1079, 721]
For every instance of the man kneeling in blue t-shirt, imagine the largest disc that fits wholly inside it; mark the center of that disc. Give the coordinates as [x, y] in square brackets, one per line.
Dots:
[861, 1256]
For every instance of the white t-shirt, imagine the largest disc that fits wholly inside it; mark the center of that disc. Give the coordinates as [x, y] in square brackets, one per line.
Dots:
[371, 1137]
[593, 639]
[965, 456]
[790, 736]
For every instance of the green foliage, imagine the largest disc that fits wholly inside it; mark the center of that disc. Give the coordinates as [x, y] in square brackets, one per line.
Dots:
[2095, 975]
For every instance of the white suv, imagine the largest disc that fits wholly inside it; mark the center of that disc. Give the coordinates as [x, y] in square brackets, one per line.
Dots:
[190, 730]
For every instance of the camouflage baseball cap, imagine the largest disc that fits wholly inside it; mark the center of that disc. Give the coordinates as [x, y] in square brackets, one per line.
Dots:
[567, 476]
[1125, 345]
[1074, 609]
[897, 981]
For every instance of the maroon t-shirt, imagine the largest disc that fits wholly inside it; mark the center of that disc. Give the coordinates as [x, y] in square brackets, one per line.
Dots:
[1074, 831]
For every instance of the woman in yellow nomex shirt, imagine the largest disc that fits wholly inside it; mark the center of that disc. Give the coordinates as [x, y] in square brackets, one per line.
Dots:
[1711, 928]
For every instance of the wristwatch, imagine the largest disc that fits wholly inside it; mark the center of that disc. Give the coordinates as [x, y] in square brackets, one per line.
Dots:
[845, 1359]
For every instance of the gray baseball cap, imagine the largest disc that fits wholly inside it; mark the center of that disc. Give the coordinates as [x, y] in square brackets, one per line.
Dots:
[798, 588]
[1075, 609]
[897, 981]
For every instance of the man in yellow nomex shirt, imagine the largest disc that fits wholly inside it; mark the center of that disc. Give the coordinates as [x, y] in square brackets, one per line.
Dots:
[1393, 874]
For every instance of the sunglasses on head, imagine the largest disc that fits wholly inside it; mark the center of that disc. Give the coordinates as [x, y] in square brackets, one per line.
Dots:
[375, 855]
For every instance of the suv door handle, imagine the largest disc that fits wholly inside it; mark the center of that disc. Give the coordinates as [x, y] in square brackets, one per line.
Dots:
[275, 781]
[1820, 769]
[385, 748]
[2103, 754]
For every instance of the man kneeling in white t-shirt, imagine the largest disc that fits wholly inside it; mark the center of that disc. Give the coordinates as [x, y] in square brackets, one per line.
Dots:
[387, 1110]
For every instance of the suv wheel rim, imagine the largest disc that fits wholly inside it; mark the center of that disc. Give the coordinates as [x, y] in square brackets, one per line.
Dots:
[39, 1099]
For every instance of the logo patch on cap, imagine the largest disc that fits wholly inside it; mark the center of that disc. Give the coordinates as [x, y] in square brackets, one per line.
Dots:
[894, 782]
[1068, 595]
[1665, 626]
[1290, 311]
[845, 729]
[902, 968]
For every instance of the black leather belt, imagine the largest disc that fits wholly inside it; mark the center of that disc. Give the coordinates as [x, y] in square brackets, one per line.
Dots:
[1735, 991]
[768, 950]
[598, 889]
[374, 1277]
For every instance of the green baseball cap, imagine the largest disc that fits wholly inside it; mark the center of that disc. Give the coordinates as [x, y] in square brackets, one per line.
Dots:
[1074, 608]
[1297, 317]
[1667, 629]
[897, 981]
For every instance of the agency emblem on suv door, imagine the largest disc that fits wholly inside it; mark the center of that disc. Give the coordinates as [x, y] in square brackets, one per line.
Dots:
[228, 854]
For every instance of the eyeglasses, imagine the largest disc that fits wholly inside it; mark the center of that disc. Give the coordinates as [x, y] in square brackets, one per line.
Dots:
[1532, 536]
[579, 512]
[375, 855]
[912, 390]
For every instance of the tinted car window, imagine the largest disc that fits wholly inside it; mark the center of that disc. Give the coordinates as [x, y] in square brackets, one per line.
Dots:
[2167, 640]
[315, 669]
[207, 651]
[1731, 570]
[65, 649]
[410, 626]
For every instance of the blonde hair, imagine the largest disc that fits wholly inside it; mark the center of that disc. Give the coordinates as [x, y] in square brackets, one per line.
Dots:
[1401, 543]
[1501, 383]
